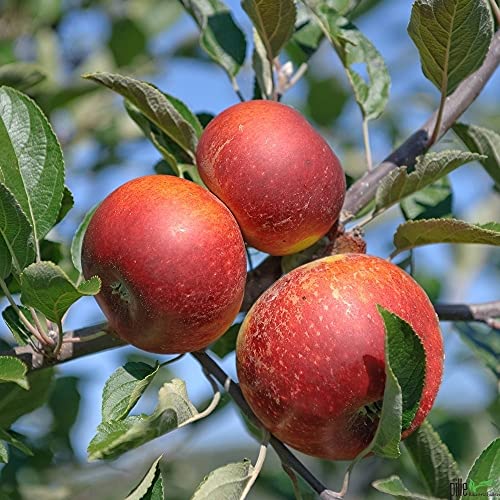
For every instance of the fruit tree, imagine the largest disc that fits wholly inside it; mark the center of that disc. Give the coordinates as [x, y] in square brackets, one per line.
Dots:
[225, 218]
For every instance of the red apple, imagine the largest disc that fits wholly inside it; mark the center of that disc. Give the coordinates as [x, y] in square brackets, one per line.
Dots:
[172, 263]
[278, 176]
[310, 353]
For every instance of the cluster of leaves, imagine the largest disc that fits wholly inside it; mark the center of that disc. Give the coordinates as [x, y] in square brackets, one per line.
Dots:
[33, 199]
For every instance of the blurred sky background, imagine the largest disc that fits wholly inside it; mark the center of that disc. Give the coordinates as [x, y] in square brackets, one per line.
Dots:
[468, 273]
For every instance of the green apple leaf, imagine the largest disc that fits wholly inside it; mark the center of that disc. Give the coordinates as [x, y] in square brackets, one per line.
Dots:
[452, 37]
[413, 234]
[67, 204]
[47, 288]
[16, 326]
[227, 343]
[483, 342]
[128, 41]
[395, 487]
[4, 453]
[16, 235]
[115, 437]
[170, 115]
[274, 22]
[77, 242]
[434, 201]
[485, 472]
[12, 439]
[21, 75]
[263, 67]
[400, 183]
[14, 370]
[354, 48]
[220, 37]
[433, 460]
[151, 485]
[178, 162]
[124, 388]
[16, 401]
[32, 166]
[228, 481]
[306, 39]
[405, 372]
[485, 142]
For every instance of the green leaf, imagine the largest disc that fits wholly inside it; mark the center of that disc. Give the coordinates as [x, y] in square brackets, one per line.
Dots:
[484, 343]
[47, 288]
[433, 201]
[127, 42]
[21, 75]
[67, 203]
[32, 164]
[227, 343]
[170, 115]
[4, 453]
[118, 436]
[407, 360]
[15, 401]
[485, 142]
[395, 487]
[16, 326]
[13, 370]
[274, 21]
[76, 243]
[11, 438]
[405, 373]
[485, 472]
[151, 485]
[413, 234]
[263, 68]
[228, 482]
[220, 38]
[354, 48]
[433, 460]
[16, 235]
[306, 39]
[172, 153]
[428, 169]
[452, 37]
[124, 388]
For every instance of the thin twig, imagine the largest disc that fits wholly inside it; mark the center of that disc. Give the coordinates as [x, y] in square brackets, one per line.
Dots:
[486, 312]
[39, 327]
[363, 190]
[285, 455]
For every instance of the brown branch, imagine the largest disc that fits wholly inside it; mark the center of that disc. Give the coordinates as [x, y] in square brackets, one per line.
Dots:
[286, 456]
[363, 190]
[75, 345]
[487, 312]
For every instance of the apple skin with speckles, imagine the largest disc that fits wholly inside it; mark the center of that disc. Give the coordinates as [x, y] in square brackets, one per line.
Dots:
[172, 262]
[276, 174]
[310, 353]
